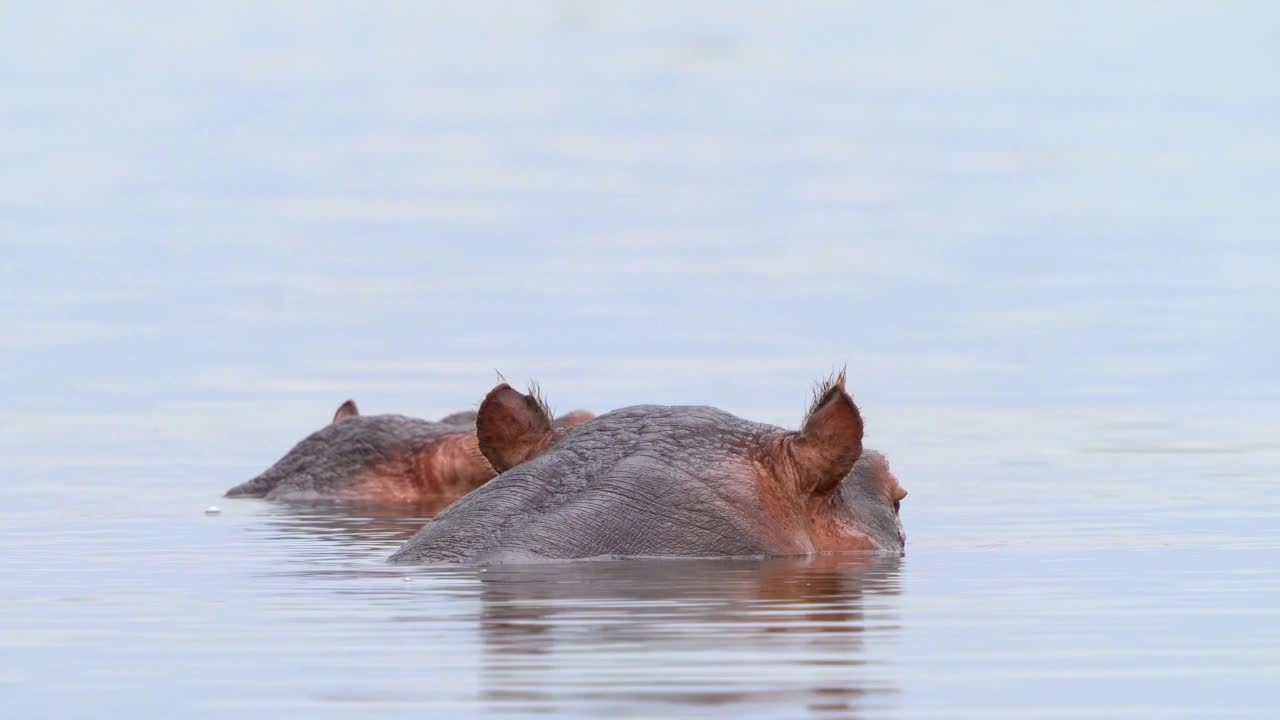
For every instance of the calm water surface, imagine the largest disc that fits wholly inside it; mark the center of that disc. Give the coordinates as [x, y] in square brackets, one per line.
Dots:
[1043, 239]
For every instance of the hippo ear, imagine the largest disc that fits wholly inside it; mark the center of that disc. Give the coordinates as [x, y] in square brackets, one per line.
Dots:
[512, 428]
[346, 410]
[831, 440]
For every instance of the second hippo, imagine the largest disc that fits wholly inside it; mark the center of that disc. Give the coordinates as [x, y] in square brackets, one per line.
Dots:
[381, 459]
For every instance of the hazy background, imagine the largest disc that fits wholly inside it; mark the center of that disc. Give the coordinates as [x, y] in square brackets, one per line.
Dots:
[1042, 236]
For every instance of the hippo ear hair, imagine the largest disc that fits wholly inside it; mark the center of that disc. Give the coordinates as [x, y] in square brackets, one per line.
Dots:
[512, 428]
[831, 439]
[346, 410]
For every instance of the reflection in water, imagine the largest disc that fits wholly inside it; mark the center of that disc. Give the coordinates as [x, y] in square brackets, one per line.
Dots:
[350, 521]
[681, 638]
[326, 537]
[645, 636]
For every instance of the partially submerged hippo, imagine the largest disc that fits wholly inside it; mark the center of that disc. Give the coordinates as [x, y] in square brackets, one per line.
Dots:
[381, 458]
[653, 480]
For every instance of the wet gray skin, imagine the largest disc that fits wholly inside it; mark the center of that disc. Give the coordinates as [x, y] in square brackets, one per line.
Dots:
[329, 462]
[861, 493]
[658, 481]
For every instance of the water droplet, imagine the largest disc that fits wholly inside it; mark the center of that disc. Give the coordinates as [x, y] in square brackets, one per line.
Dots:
[213, 510]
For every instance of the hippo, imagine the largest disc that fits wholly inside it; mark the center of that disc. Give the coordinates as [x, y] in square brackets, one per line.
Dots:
[382, 459]
[682, 481]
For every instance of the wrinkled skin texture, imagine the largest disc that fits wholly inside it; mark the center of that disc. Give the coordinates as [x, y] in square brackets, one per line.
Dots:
[378, 459]
[673, 481]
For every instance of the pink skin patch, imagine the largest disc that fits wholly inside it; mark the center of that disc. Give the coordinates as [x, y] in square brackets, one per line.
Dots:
[446, 469]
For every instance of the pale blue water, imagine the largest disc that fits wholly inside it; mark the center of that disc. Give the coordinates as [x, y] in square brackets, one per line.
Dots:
[1042, 238]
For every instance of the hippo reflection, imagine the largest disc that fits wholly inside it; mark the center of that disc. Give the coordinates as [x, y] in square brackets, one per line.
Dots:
[641, 638]
[381, 458]
[668, 481]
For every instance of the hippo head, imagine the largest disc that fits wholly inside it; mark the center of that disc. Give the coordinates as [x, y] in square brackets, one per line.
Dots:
[658, 480]
[376, 458]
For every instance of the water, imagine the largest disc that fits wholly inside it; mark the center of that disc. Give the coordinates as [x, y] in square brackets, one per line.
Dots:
[1042, 239]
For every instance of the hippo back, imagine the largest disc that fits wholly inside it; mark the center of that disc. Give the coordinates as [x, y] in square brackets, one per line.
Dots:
[641, 481]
